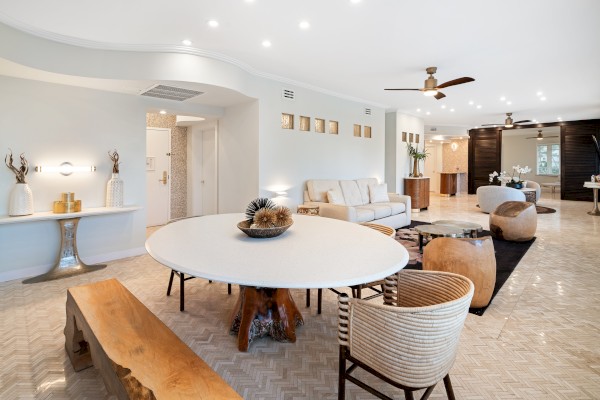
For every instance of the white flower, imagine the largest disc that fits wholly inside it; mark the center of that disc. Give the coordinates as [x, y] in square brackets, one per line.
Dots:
[515, 179]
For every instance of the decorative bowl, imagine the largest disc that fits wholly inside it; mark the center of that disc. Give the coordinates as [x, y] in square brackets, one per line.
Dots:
[261, 233]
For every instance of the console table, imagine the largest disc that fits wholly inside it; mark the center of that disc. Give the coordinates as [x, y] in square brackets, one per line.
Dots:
[448, 183]
[594, 186]
[68, 262]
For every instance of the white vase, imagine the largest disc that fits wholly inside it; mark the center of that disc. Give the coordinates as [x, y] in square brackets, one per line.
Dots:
[21, 200]
[114, 191]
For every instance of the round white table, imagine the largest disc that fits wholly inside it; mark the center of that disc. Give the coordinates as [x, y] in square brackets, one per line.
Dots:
[313, 253]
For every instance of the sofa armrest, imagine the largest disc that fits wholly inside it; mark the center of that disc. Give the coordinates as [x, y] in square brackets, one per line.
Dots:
[402, 198]
[336, 211]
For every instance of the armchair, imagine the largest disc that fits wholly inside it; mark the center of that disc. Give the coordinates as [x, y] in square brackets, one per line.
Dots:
[411, 340]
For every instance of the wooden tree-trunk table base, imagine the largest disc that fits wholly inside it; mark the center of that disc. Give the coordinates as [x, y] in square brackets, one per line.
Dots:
[265, 311]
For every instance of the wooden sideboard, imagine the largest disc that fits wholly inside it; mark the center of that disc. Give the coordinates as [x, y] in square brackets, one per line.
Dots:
[418, 190]
[448, 183]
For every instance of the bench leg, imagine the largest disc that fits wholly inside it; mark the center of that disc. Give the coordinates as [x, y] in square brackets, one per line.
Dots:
[181, 295]
[75, 345]
[170, 282]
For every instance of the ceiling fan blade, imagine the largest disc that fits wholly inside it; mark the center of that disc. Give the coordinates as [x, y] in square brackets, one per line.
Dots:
[522, 122]
[455, 82]
[402, 89]
[439, 95]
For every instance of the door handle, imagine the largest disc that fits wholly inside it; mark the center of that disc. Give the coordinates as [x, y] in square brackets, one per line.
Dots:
[164, 178]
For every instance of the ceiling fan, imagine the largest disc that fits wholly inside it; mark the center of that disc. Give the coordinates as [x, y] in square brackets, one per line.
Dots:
[540, 136]
[508, 122]
[433, 89]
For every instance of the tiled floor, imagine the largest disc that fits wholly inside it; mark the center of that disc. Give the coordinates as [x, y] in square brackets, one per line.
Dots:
[540, 338]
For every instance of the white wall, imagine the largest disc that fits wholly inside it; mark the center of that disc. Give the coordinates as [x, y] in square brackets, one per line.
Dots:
[290, 157]
[398, 159]
[516, 150]
[52, 124]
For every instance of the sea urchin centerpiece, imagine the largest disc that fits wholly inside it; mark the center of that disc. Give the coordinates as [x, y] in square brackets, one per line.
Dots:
[256, 205]
[283, 216]
[264, 218]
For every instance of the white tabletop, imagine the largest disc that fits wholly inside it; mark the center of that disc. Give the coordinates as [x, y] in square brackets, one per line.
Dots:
[315, 252]
[592, 185]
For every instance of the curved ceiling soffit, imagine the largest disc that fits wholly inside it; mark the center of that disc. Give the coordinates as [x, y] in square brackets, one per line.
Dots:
[176, 49]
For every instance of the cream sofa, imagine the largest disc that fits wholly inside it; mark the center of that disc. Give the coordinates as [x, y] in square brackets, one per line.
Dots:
[359, 200]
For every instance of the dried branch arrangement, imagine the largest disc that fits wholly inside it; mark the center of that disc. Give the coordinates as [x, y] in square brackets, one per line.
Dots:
[20, 172]
[114, 156]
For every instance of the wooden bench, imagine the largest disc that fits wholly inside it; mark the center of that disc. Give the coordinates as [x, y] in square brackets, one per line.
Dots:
[137, 355]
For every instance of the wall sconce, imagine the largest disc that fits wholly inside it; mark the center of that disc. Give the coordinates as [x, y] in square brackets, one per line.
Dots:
[65, 168]
[454, 146]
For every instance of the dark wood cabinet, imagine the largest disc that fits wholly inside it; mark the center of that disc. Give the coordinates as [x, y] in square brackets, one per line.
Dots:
[418, 190]
[448, 183]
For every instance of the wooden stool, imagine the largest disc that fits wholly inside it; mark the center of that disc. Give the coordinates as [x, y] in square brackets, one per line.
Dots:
[473, 258]
[514, 221]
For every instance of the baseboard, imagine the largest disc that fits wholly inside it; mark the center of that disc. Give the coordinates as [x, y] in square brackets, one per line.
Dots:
[41, 269]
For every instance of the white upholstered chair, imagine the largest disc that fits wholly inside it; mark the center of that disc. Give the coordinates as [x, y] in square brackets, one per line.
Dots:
[491, 196]
[411, 340]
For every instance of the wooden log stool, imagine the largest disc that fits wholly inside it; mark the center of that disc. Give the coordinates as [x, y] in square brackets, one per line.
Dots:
[515, 221]
[473, 258]
[138, 356]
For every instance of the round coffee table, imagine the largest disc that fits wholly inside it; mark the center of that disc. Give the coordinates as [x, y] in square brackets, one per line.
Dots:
[433, 231]
[469, 228]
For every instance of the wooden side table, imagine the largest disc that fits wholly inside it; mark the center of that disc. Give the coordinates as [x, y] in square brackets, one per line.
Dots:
[308, 210]
[418, 190]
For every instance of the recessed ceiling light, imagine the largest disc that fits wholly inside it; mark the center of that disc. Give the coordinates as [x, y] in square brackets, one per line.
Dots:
[452, 110]
[186, 42]
[476, 127]
[418, 110]
[266, 43]
[539, 94]
[213, 23]
[304, 25]
[354, 1]
[163, 112]
[543, 98]
[535, 121]
[478, 105]
[249, 1]
[471, 103]
[428, 113]
[443, 106]
[559, 118]
[502, 98]
[508, 103]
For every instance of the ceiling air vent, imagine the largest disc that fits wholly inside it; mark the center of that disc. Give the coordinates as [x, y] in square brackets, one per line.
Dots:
[288, 94]
[367, 111]
[170, 93]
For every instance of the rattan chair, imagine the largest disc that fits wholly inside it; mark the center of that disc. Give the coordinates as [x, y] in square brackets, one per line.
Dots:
[411, 340]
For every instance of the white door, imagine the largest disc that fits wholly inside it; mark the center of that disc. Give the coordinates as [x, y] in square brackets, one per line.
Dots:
[431, 168]
[208, 179]
[158, 176]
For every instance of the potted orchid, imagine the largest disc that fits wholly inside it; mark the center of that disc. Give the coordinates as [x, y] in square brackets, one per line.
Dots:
[497, 178]
[515, 181]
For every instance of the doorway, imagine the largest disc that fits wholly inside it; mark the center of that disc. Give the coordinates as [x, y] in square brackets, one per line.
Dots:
[158, 176]
[202, 170]
[431, 167]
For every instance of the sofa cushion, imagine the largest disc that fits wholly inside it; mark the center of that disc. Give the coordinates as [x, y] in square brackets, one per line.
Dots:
[380, 210]
[363, 186]
[351, 193]
[364, 214]
[335, 197]
[318, 188]
[395, 207]
[378, 193]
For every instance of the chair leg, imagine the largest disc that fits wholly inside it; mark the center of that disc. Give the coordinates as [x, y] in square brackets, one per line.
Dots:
[229, 288]
[358, 292]
[181, 295]
[307, 297]
[342, 374]
[170, 282]
[319, 300]
[449, 390]
[408, 395]
[427, 392]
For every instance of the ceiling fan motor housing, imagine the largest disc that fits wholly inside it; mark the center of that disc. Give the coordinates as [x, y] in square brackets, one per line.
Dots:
[430, 83]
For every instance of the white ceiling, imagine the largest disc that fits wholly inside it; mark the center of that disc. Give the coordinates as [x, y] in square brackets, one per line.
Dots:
[512, 48]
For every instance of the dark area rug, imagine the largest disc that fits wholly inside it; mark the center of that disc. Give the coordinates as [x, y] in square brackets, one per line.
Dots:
[544, 210]
[508, 255]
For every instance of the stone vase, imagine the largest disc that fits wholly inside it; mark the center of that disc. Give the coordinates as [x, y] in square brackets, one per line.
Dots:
[21, 200]
[114, 191]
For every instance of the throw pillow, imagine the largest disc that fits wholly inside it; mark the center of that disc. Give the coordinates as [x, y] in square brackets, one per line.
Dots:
[335, 197]
[379, 193]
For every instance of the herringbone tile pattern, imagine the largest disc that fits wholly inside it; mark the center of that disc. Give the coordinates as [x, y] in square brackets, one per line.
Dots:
[540, 338]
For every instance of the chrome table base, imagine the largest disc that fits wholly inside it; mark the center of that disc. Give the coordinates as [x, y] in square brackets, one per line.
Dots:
[68, 263]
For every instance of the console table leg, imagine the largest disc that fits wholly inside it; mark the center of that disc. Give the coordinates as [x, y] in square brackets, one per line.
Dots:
[595, 211]
[68, 263]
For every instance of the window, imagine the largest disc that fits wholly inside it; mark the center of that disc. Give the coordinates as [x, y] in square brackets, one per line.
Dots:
[548, 159]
